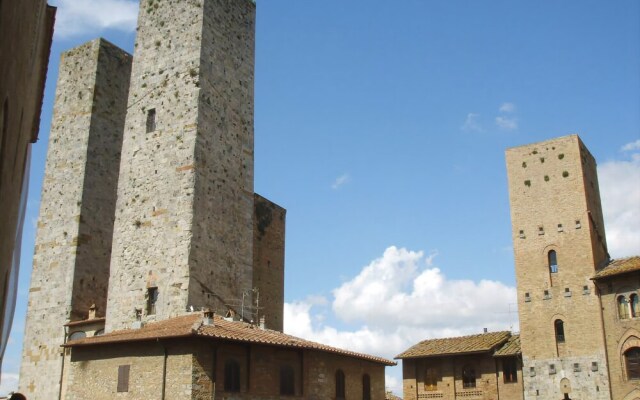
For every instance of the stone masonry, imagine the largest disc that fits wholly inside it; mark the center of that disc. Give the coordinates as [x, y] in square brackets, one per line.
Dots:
[555, 206]
[184, 213]
[73, 243]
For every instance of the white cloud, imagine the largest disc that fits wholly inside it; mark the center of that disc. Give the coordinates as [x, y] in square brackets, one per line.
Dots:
[631, 146]
[398, 300]
[507, 123]
[507, 108]
[472, 124]
[77, 17]
[341, 180]
[620, 192]
[8, 383]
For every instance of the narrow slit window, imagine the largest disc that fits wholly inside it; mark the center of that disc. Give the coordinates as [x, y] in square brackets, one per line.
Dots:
[559, 329]
[152, 299]
[553, 261]
[123, 378]
[510, 370]
[366, 387]
[151, 120]
[287, 380]
[633, 300]
[623, 307]
[340, 385]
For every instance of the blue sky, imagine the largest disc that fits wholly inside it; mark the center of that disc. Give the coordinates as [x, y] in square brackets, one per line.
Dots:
[381, 127]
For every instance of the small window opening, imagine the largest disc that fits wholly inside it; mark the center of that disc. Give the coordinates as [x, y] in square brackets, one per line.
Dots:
[287, 386]
[632, 361]
[231, 376]
[152, 299]
[559, 329]
[510, 370]
[623, 307]
[123, 378]
[366, 387]
[553, 261]
[540, 230]
[527, 297]
[594, 366]
[578, 224]
[585, 289]
[552, 369]
[576, 367]
[468, 377]
[547, 295]
[340, 385]
[151, 120]
[567, 292]
[560, 228]
[633, 300]
[522, 234]
[532, 371]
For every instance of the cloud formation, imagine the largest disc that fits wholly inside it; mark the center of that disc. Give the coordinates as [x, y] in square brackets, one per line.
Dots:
[507, 108]
[620, 192]
[471, 123]
[341, 180]
[8, 383]
[78, 17]
[398, 300]
[507, 123]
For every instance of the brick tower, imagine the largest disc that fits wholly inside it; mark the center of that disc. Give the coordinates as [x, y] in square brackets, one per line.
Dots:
[559, 243]
[184, 215]
[75, 226]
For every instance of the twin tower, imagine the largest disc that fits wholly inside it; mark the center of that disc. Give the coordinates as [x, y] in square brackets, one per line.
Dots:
[148, 208]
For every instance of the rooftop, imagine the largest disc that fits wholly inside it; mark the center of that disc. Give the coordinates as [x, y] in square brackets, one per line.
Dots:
[509, 349]
[481, 343]
[192, 325]
[619, 267]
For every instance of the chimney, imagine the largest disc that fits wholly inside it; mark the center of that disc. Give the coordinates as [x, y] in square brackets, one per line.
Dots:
[485, 330]
[208, 317]
[261, 323]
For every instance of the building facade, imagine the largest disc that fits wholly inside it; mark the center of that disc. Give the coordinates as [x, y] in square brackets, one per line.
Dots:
[579, 310]
[26, 31]
[148, 216]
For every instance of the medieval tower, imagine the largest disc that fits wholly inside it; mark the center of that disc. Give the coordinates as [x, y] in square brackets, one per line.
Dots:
[559, 244]
[148, 210]
[75, 226]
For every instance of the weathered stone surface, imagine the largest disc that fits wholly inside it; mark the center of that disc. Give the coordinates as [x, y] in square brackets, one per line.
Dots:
[73, 243]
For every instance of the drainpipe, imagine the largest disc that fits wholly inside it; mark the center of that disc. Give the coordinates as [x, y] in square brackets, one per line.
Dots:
[164, 370]
[62, 364]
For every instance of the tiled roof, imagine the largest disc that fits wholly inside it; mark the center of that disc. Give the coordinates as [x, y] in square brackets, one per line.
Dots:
[457, 345]
[511, 348]
[618, 267]
[192, 325]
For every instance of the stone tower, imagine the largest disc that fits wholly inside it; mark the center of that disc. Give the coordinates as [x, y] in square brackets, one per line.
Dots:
[559, 243]
[75, 227]
[184, 215]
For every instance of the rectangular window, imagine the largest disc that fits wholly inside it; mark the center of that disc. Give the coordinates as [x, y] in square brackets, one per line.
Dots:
[552, 369]
[576, 367]
[123, 378]
[152, 299]
[510, 370]
[151, 120]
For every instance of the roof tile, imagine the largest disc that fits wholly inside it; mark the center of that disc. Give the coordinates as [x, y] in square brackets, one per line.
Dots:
[618, 267]
[457, 345]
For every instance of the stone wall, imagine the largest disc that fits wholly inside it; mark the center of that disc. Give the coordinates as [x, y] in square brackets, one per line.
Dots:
[73, 242]
[555, 206]
[621, 333]
[185, 196]
[268, 261]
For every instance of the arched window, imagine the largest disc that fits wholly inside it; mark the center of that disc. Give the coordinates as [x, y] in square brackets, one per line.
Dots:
[231, 376]
[559, 329]
[632, 361]
[366, 387]
[634, 305]
[623, 307]
[468, 377]
[287, 385]
[340, 385]
[553, 261]
[431, 379]
[77, 335]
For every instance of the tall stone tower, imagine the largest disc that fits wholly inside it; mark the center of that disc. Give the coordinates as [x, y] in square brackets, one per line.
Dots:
[559, 243]
[75, 227]
[184, 214]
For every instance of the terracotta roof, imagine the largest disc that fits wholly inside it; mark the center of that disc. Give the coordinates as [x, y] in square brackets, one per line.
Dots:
[457, 345]
[618, 267]
[511, 348]
[192, 325]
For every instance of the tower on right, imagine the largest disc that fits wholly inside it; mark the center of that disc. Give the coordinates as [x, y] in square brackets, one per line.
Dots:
[559, 244]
